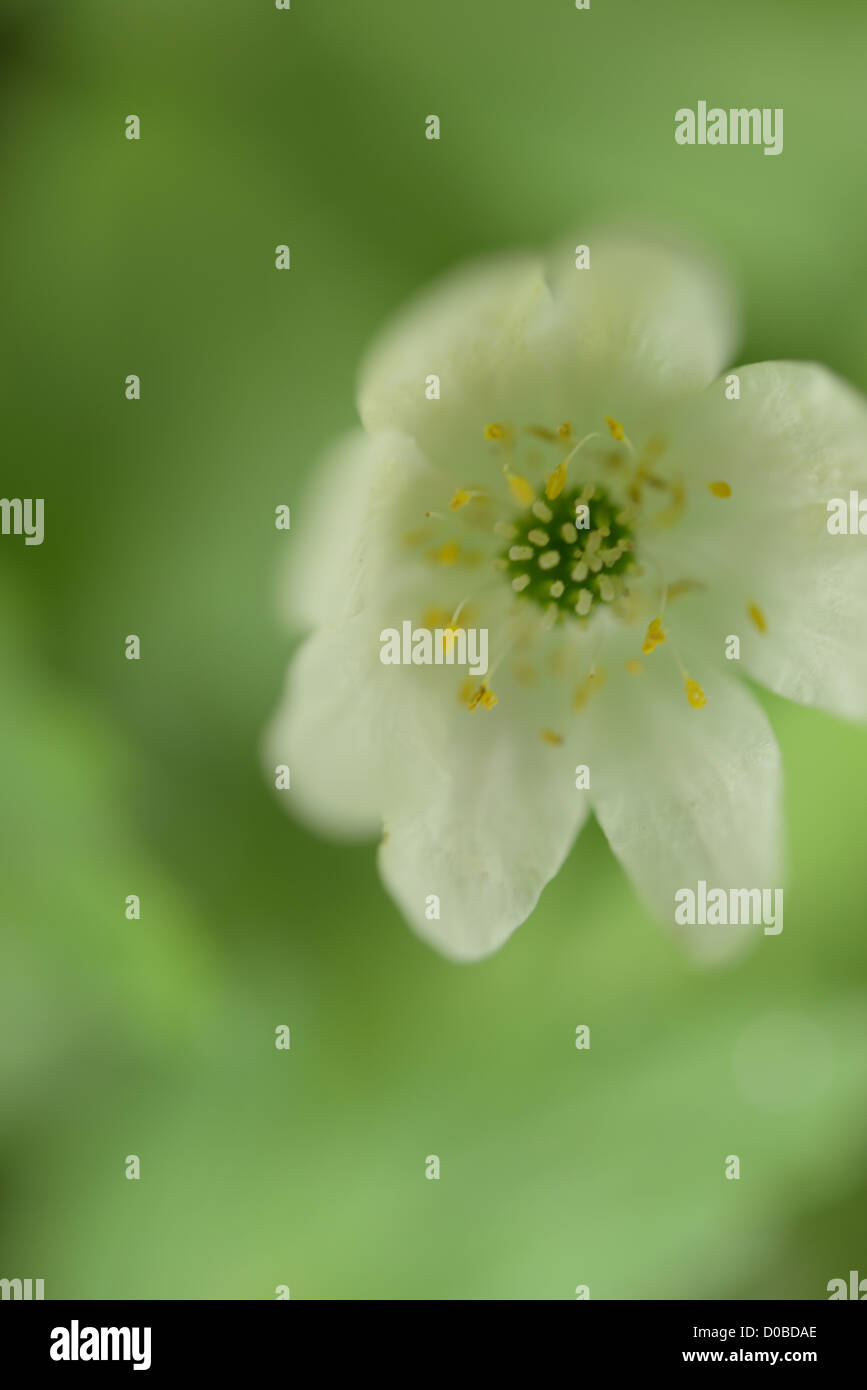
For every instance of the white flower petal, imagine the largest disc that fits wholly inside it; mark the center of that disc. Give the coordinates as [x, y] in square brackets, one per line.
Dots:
[364, 495]
[344, 730]
[685, 794]
[469, 330]
[796, 439]
[645, 326]
[484, 836]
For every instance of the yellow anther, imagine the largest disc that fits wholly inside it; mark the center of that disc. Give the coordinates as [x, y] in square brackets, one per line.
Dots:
[495, 431]
[592, 682]
[556, 481]
[436, 617]
[758, 617]
[617, 430]
[695, 694]
[549, 736]
[634, 666]
[684, 586]
[720, 489]
[520, 489]
[482, 696]
[460, 499]
[447, 554]
[654, 637]
[564, 431]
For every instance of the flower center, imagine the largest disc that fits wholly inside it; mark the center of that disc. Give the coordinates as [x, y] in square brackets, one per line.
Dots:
[571, 551]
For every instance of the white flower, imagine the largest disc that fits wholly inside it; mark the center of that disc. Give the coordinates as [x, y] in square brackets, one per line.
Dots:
[707, 520]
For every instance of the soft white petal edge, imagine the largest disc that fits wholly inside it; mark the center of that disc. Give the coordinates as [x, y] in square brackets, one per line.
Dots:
[469, 329]
[345, 733]
[485, 837]
[684, 794]
[796, 439]
[332, 540]
[648, 322]
[651, 321]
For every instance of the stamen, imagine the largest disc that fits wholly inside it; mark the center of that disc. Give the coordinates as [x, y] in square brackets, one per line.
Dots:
[684, 586]
[568, 532]
[541, 511]
[617, 430]
[695, 694]
[520, 582]
[483, 697]
[521, 552]
[606, 588]
[453, 620]
[634, 666]
[592, 682]
[549, 736]
[538, 537]
[520, 489]
[758, 617]
[462, 497]
[584, 604]
[580, 572]
[564, 431]
[447, 554]
[557, 481]
[720, 489]
[505, 529]
[495, 431]
[549, 560]
[436, 617]
[654, 637]
[447, 640]
[557, 588]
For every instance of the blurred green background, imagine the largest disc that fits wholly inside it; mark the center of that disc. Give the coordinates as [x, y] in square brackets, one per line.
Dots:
[156, 1037]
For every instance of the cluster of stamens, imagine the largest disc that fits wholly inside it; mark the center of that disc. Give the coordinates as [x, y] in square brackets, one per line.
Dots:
[571, 551]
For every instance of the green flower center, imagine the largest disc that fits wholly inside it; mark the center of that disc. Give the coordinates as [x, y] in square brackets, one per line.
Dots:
[570, 551]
